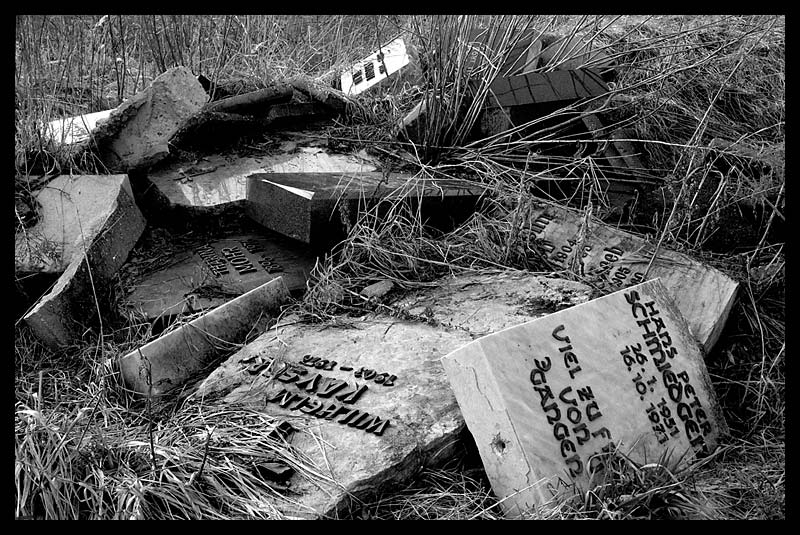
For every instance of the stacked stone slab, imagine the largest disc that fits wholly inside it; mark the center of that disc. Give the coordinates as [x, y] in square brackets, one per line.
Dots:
[551, 401]
[88, 226]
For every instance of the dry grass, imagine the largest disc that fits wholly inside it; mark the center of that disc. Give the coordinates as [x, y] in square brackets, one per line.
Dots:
[85, 449]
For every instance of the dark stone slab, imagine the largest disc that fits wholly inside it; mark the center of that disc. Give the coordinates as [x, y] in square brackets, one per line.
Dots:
[542, 88]
[216, 272]
[316, 208]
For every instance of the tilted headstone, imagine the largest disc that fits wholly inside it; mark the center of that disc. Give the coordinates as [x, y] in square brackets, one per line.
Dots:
[614, 259]
[215, 272]
[546, 401]
[317, 207]
[368, 396]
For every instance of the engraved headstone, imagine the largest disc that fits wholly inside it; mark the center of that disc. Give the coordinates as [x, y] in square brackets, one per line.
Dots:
[215, 272]
[375, 68]
[316, 207]
[368, 395]
[615, 259]
[546, 400]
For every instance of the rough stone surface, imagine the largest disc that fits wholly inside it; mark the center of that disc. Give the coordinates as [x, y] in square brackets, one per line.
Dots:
[615, 259]
[74, 211]
[171, 360]
[399, 363]
[543, 399]
[317, 207]
[109, 233]
[137, 132]
[218, 271]
[221, 180]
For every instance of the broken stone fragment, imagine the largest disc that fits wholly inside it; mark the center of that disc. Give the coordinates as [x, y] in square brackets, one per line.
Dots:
[255, 102]
[317, 208]
[171, 360]
[549, 400]
[74, 130]
[94, 223]
[368, 397]
[379, 289]
[332, 98]
[136, 134]
[73, 212]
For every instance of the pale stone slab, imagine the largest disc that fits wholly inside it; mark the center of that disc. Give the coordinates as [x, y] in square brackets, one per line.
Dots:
[221, 180]
[136, 133]
[543, 399]
[95, 223]
[375, 68]
[74, 211]
[174, 358]
[390, 371]
[616, 259]
[73, 130]
[217, 271]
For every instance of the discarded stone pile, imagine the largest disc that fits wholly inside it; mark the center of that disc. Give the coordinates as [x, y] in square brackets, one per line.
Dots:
[547, 377]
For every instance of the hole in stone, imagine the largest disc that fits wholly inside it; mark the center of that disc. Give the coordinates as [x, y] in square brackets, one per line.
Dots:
[498, 445]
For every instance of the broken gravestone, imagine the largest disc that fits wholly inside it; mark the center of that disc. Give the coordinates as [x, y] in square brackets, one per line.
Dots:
[176, 357]
[215, 272]
[136, 134]
[549, 401]
[368, 396]
[614, 259]
[88, 226]
[317, 208]
[219, 181]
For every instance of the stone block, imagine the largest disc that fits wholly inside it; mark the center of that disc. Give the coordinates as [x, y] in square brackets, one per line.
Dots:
[575, 52]
[136, 134]
[318, 207]
[215, 272]
[174, 358]
[546, 401]
[615, 259]
[368, 396]
[542, 88]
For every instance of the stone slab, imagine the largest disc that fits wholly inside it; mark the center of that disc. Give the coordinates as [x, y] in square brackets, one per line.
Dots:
[62, 315]
[413, 417]
[73, 130]
[375, 68]
[172, 359]
[574, 52]
[545, 400]
[217, 271]
[136, 134]
[74, 211]
[317, 207]
[545, 88]
[615, 259]
[221, 179]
